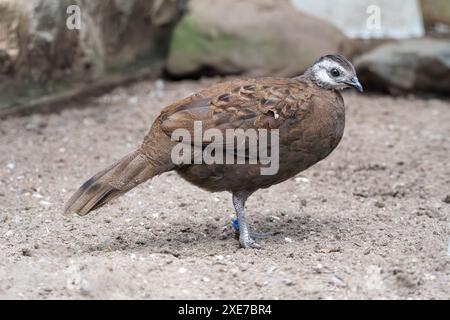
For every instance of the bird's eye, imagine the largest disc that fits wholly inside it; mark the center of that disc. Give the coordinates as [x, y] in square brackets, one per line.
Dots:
[335, 72]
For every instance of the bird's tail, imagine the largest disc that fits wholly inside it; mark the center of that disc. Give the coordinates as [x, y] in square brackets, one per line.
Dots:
[111, 183]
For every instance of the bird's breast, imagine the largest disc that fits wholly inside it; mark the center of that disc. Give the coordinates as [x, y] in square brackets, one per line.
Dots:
[317, 130]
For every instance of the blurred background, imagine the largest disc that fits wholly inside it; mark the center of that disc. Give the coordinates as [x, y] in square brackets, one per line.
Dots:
[397, 46]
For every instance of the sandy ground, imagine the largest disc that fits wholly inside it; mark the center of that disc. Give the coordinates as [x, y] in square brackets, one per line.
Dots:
[370, 221]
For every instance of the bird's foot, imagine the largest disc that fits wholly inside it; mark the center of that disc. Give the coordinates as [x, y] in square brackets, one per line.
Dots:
[247, 242]
[245, 238]
[254, 235]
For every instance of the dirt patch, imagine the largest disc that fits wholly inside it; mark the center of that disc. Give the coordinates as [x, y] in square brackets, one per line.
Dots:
[370, 221]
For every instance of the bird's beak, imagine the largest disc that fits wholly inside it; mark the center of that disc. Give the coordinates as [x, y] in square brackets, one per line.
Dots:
[354, 82]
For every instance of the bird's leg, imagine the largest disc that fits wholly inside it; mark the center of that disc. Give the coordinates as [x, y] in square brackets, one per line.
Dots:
[245, 239]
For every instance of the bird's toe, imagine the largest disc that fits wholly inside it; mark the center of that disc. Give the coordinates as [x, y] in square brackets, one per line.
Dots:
[248, 243]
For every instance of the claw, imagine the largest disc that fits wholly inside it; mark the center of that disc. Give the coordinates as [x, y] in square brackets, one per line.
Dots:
[248, 243]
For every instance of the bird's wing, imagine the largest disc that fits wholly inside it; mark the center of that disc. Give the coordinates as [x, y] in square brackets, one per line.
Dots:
[249, 104]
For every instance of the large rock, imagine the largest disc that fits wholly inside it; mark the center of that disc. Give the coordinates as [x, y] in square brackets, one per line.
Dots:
[353, 48]
[12, 13]
[254, 37]
[37, 46]
[421, 65]
[369, 19]
[436, 11]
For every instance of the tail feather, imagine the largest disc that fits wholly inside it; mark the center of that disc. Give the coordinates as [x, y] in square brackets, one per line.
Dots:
[110, 183]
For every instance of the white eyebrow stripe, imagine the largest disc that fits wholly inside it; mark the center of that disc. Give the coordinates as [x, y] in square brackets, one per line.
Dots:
[332, 64]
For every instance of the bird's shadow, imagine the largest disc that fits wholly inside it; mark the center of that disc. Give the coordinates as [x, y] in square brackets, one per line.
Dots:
[183, 236]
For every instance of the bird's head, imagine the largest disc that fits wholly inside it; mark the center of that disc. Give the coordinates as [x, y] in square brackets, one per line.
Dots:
[334, 72]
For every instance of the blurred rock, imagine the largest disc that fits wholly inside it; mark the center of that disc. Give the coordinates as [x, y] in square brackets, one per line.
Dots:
[421, 65]
[436, 11]
[37, 46]
[11, 15]
[254, 37]
[38, 43]
[368, 19]
[352, 48]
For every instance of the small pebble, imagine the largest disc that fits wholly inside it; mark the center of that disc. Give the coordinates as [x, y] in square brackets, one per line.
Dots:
[301, 179]
[271, 269]
[37, 195]
[182, 270]
[379, 204]
[45, 203]
[133, 100]
[26, 252]
[288, 282]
